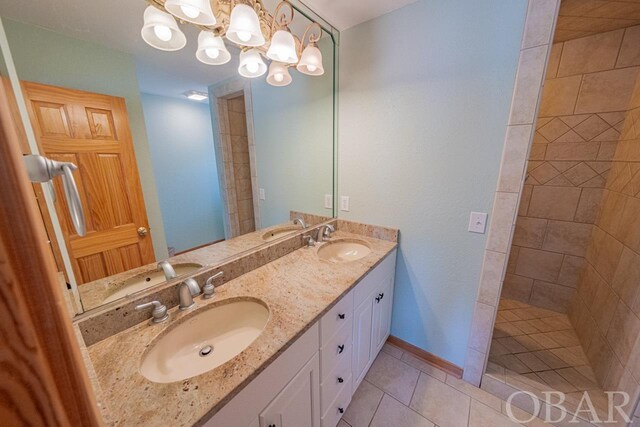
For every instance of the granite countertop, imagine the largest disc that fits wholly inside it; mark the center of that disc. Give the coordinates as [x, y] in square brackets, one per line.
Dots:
[94, 293]
[298, 288]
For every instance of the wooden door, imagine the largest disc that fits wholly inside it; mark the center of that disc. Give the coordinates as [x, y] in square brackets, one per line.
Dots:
[298, 403]
[92, 131]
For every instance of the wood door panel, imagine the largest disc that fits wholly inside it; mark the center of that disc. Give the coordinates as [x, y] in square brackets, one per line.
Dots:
[53, 120]
[101, 124]
[92, 131]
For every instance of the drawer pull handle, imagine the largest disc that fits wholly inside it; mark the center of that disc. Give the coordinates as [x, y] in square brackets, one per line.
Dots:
[340, 380]
[272, 425]
[341, 316]
[381, 295]
[340, 349]
[378, 300]
[341, 410]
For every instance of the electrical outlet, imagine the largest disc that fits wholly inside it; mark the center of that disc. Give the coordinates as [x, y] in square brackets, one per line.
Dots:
[328, 201]
[344, 203]
[477, 222]
[262, 195]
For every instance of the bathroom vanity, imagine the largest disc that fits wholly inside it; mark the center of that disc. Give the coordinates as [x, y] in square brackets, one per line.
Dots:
[327, 321]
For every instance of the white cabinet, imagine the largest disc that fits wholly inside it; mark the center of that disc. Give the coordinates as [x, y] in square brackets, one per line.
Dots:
[362, 322]
[311, 383]
[298, 403]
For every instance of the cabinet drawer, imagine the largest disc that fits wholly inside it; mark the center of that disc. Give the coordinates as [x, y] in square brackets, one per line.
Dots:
[336, 349]
[335, 318]
[374, 278]
[337, 407]
[334, 382]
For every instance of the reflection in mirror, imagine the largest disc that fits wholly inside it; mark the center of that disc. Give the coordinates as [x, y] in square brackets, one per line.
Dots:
[178, 159]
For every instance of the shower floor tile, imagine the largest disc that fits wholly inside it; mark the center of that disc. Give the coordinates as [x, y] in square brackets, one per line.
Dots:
[537, 350]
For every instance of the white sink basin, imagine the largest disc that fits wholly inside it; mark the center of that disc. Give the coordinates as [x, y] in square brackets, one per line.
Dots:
[205, 340]
[277, 233]
[344, 250]
[147, 280]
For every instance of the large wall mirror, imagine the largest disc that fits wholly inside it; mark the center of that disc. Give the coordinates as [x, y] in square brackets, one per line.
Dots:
[178, 158]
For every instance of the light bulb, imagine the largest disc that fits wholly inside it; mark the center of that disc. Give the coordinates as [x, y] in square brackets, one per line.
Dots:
[190, 11]
[252, 67]
[278, 77]
[245, 36]
[162, 32]
[212, 52]
[311, 68]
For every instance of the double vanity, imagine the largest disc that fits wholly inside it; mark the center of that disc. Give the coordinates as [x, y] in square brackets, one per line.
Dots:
[283, 344]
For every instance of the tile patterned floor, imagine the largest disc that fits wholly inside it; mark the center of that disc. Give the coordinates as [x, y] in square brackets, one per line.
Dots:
[542, 346]
[537, 350]
[401, 390]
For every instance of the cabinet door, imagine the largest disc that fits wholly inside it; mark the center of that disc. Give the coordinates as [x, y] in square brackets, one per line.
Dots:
[362, 355]
[298, 403]
[382, 306]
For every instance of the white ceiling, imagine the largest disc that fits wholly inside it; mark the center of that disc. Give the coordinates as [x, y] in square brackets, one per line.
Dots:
[344, 14]
[116, 24]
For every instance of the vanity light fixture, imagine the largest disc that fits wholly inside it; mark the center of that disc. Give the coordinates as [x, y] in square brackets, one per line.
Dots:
[247, 24]
[278, 74]
[251, 64]
[244, 26]
[211, 49]
[161, 31]
[195, 95]
[195, 11]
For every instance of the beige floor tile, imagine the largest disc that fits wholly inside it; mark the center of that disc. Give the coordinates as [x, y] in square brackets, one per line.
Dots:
[574, 356]
[529, 343]
[393, 376]
[440, 403]
[392, 350]
[512, 344]
[497, 349]
[578, 380]
[526, 326]
[475, 393]
[551, 359]
[556, 381]
[533, 362]
[524, 417]
[343, 423]
[495, 371]
[423, 366]
[511, 362]
[393, 413]
[483, 416]
[510, 315]
[363, 405]
[544, 340]
[566, 338]
[506, 329]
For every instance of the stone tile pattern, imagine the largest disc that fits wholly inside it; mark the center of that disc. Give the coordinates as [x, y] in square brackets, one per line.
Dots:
[241, 166]
[534, 50]
[402, 390]
[580, 18]
[606, 311]
[588, 87]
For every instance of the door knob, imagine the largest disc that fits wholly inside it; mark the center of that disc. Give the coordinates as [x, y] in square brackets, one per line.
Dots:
[142, 231]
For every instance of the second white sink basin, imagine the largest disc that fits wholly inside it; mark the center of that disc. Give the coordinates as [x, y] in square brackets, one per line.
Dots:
[276, 233]
[344, 250]
[205, 340]
[147, 280]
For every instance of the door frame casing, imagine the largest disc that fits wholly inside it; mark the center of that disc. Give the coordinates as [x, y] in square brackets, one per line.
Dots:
[218, 98]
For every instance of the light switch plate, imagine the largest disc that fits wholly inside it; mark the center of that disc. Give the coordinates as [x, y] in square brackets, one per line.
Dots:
[262, 195]
[478, 222]
[344, 203]
[328, 201]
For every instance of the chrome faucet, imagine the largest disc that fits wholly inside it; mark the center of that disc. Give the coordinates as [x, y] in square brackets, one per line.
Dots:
[325, 231]
[309, 239]
[209, 288]
[300, 221]
[167, 269]
[159, 313]
[184, 294]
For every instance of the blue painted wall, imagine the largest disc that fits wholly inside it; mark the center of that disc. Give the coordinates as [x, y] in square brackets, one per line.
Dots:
[181, 142]
[425, 93]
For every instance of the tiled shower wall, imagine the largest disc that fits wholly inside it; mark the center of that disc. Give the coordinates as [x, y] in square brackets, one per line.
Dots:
[606, 311]
[587, 91]
[241, 166]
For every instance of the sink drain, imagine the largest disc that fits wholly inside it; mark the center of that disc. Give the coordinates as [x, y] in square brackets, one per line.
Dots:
[206, 350]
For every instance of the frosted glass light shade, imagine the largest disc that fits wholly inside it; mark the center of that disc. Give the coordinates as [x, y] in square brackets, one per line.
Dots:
[311, 61]
[161, 31]
[244, 26]
[196, 11]
[283, 48]
[251, 64]
[278, 74]
[211, 49]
